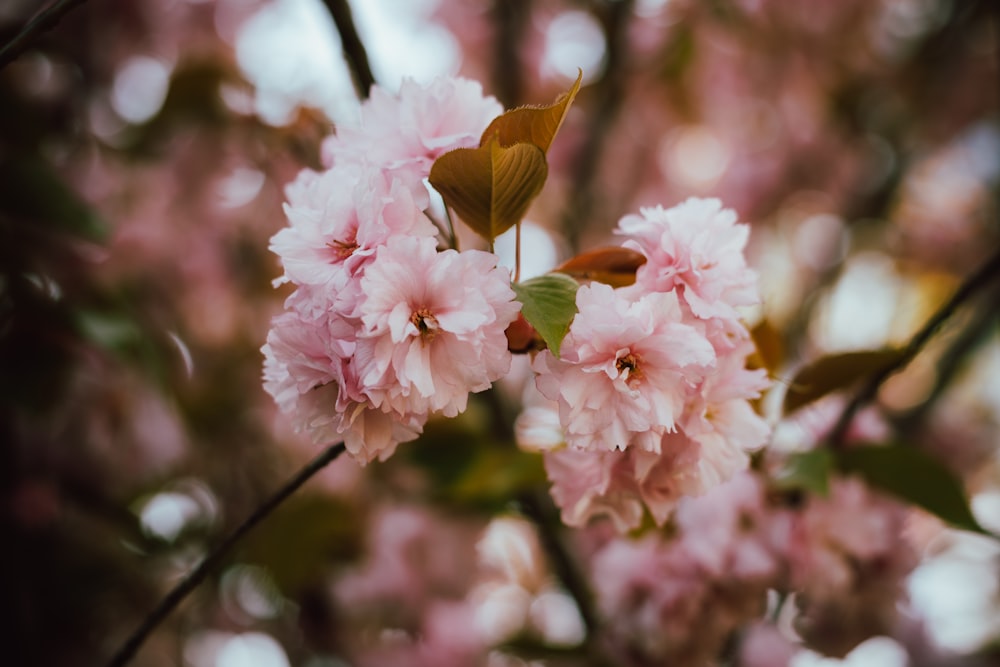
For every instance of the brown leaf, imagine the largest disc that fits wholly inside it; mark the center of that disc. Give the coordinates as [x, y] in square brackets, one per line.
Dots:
[834, 373]
[613, 265]
[536, 125]
[490, 187]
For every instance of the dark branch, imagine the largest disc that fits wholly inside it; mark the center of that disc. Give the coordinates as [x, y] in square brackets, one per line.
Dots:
[354, 48]
[510, 22]
[611, 93]
[215, 557]
[954, 360]
[44, 21]
[974, 283]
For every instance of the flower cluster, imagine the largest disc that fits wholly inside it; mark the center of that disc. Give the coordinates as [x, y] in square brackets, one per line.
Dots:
[383, 328]
[651, 385]
[677, 600]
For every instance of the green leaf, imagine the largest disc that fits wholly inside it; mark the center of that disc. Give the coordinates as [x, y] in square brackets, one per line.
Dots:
[549, 304]
[808, 471]
[833, 373]
[913, 476]
[490, 187]
[535, 125]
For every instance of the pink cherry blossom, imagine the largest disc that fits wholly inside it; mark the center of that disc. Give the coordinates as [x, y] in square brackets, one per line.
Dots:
[676, 601]
[432, 326]
[405, 133]
[848, 555]
[339, 218]
[310, 371]
[722, 421]
[697, 249]
[625, 371]
[588, 484]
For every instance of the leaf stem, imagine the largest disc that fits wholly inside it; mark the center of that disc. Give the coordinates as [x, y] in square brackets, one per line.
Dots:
[982, 277]
[451, 227]
[44, 21]
[517, 252]
[128, 649]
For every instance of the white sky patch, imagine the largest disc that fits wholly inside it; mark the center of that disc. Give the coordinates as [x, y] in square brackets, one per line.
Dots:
[538, 250]
[574, 40]
[957, 593]
[290, 51]
[859, 312]
[166, 515]
[875, 652]
[402, 41]
[140, 88]
[252, 649]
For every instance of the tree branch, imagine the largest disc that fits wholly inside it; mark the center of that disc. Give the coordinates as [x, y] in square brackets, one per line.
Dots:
[510, 22]
[44, 21]
[581, 207]
[988, 272]
[354, 48]
[214, 557]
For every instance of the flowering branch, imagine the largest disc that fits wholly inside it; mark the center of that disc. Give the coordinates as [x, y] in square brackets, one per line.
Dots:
[44, 21]
[354, 50]
[975, 282]
[128, 650]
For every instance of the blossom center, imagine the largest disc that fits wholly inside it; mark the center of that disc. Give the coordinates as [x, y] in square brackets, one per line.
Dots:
[628, 366]
[425, 322]
[343, 249]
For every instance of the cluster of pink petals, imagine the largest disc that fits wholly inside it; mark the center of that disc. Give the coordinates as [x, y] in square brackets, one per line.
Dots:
[405, 133]
[383, 330]
[695, 248]
[651, 385]
[848, 556]
[675, 600]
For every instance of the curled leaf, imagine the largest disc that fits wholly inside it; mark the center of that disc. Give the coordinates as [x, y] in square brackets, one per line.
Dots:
[490, 187]
[615, 266]
[536, 125]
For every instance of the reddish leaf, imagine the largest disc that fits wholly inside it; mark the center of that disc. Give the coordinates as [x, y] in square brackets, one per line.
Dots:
[615, 266]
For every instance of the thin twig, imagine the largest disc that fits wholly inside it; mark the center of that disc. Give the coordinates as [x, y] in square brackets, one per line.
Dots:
[953, 360]
[353, 47]
[977, 281]
[214, 557]
[43, 22]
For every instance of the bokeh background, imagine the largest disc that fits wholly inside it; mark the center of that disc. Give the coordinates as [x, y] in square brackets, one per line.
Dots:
[144, 147]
